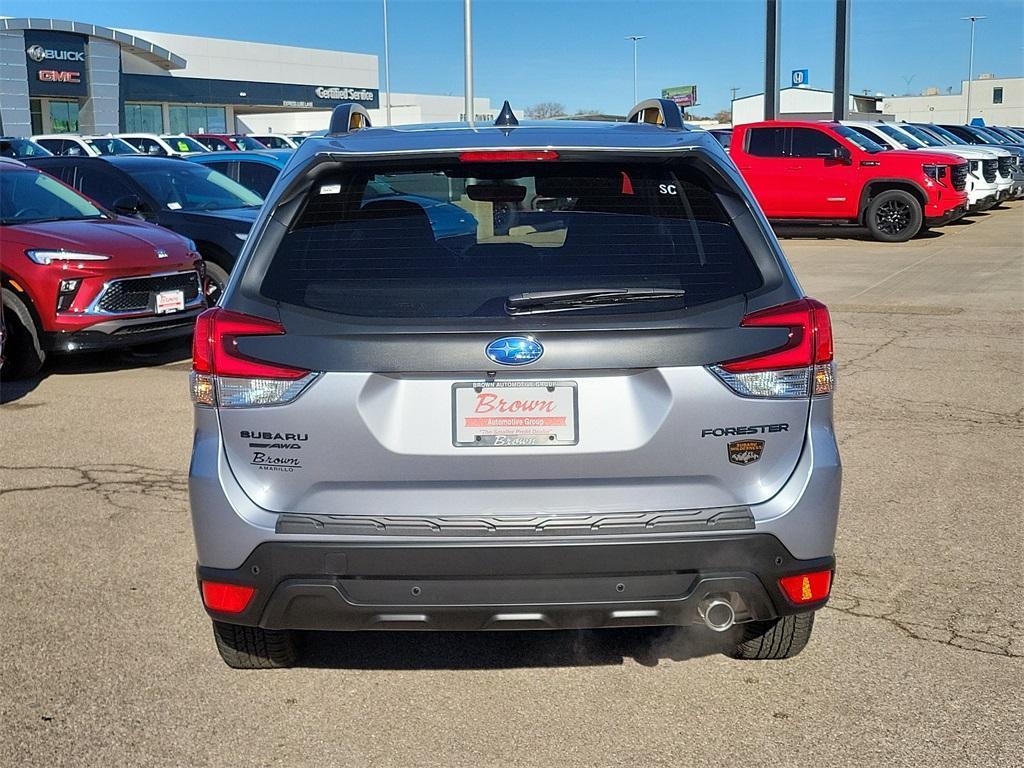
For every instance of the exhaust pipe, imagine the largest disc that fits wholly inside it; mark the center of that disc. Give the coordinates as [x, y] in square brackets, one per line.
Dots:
[718, 613]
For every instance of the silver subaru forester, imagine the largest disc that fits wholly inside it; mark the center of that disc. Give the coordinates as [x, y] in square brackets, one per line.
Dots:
[513, 376]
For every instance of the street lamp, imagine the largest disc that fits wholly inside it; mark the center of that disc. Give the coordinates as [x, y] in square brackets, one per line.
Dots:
[468, 17]
[636, 39]
[970, 71]
[387, 68]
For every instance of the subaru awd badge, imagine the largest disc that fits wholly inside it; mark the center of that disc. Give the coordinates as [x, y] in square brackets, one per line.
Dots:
[515, 350]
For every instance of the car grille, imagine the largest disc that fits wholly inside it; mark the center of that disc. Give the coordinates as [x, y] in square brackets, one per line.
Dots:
[1005, 164]
[988, 170]
[136, 294]
[958, 175]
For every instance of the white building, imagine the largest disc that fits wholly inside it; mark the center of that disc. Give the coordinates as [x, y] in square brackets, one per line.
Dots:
[800, 103]
[406, 108]
[996, 100]
[61, 76]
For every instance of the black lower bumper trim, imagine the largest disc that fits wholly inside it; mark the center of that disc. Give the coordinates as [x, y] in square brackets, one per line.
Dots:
[529, 585]
[951, 215]
[114, 334]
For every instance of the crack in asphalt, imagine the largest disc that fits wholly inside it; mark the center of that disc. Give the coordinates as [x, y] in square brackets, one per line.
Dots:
[854, 365]
[994, 640]
[116, 483]
[936, 412]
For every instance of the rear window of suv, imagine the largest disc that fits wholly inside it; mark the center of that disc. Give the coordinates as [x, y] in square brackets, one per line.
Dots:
[455, 240]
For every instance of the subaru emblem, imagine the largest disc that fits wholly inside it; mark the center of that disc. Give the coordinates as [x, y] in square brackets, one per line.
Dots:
[515, 350]
[161, 253]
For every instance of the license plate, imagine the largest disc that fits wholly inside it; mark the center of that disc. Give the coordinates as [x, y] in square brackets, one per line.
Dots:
[514, 413]
[169, 301]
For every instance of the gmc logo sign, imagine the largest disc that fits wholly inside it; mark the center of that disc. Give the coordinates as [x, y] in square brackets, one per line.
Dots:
[59, 76]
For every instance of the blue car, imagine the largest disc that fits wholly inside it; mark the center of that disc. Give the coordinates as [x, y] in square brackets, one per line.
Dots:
[259, 169]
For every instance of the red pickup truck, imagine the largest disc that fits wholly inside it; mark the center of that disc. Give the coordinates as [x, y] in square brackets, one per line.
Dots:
[828, 173]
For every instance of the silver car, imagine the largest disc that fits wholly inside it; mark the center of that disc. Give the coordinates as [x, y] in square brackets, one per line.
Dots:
[601, 401]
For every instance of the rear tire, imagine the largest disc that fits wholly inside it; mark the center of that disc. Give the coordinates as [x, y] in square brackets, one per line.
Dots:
[779, 639]
[23, 352]
[254, 647]
[894, 216]
[216, 279]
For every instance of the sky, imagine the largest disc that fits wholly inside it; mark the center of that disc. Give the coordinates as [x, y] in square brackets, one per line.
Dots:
[575, 52]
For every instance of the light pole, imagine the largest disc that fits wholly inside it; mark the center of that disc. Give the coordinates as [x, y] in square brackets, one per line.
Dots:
[970, 71]
[636, 39]
[469, 62]
[387, 68]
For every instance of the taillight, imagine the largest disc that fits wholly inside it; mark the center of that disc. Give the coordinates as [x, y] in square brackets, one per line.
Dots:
[222, 375]
[801, 367]
[807, 587]
[226, 598]
[508, 156]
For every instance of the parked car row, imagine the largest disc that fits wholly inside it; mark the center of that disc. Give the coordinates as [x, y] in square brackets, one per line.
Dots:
[896, 179]
[210, 199]
[77, 277]
[163, 145]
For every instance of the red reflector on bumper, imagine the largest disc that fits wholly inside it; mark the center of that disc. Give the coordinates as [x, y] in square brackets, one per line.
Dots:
[807, 587]
[226, 598]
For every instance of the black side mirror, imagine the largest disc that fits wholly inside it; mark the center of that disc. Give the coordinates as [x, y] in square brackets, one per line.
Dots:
[130, 205]
[842, 155]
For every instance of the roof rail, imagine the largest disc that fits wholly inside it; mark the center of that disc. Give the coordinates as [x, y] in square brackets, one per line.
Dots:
[661, 112]
[347, 118]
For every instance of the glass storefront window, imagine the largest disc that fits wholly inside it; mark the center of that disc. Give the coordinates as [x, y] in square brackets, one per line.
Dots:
[192, 119]
[63, 116]
[143, 118]
[35, 108]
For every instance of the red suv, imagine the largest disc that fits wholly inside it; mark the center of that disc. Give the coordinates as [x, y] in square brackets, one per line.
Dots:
[829, 173]
[75, 277]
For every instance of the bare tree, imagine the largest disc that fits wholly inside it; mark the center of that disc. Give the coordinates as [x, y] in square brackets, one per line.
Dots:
[723, 116]
[545, 110]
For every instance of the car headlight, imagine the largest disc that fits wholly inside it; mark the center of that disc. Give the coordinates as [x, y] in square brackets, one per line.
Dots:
[48, 257]
[937, 172]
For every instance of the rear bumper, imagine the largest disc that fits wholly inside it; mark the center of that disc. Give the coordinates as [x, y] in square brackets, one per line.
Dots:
[127, 332]
[507, 585]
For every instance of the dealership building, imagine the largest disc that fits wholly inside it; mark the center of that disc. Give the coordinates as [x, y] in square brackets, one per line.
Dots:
[994, 100]
[61, 76]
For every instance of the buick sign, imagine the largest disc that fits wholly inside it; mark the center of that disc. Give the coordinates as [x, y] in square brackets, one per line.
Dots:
[515, 350]
[39, 54]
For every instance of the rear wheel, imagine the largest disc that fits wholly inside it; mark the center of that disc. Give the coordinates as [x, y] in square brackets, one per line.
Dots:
[779, 639]
[23, 352]
[894, 216]
[254, 647]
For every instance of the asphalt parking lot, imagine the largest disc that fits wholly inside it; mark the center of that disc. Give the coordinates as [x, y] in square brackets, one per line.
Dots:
[108, 658]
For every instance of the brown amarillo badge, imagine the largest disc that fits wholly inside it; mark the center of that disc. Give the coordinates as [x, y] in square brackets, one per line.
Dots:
[745, 452]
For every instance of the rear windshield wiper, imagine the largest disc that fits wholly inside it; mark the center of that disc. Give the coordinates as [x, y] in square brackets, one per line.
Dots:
[584, 298]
